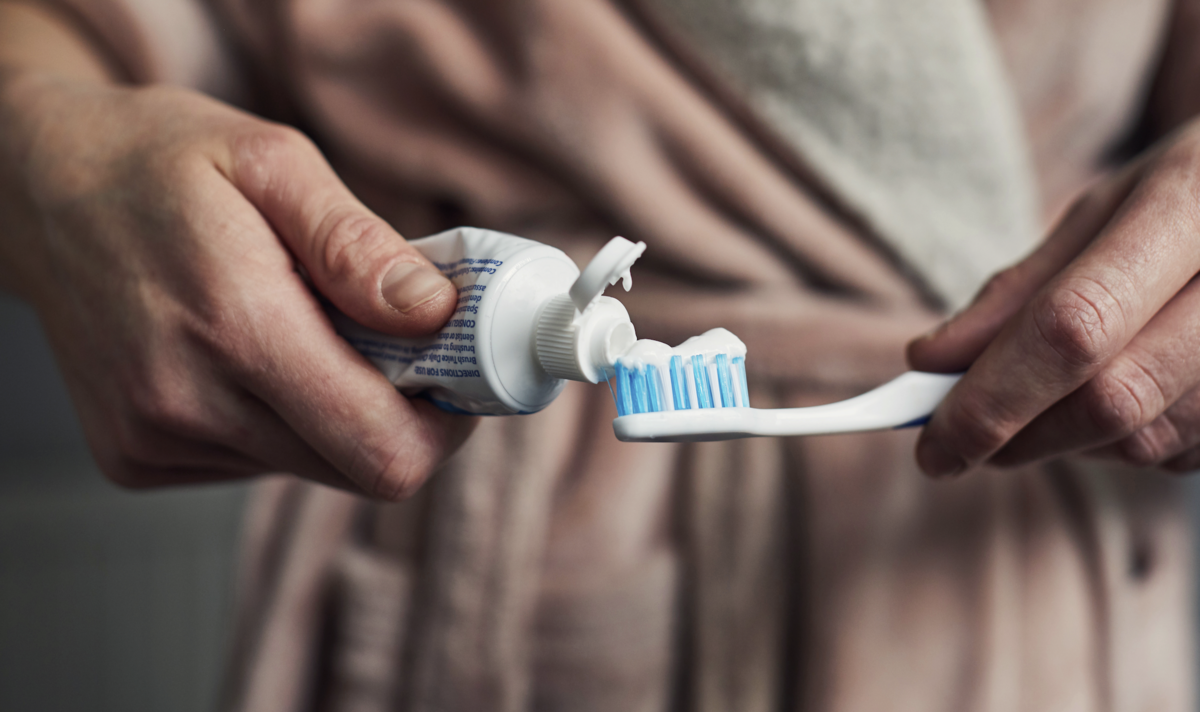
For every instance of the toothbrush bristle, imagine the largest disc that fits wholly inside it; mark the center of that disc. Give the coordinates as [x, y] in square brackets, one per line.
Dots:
[654, 389]
[639, 391]
[707, 382]
[679, 384]
[700, 373]
[725, 382]
[624, 392]
[739, 364]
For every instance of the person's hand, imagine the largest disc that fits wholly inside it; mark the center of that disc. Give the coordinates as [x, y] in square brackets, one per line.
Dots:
[1091, 344]
[158, 234]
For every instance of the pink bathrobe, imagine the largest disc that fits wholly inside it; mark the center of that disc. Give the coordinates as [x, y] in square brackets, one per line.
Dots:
[823, 178]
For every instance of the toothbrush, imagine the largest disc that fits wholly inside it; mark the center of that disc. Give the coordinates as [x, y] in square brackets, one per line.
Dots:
[705, 397]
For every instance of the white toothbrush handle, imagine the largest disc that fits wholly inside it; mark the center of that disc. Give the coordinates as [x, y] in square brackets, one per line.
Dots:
[905, 401]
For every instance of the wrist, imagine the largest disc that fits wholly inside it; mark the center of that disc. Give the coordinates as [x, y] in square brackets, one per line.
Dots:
[41, 54]
[26, 97]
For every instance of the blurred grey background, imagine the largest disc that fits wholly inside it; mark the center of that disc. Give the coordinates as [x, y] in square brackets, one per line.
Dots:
[109, 599]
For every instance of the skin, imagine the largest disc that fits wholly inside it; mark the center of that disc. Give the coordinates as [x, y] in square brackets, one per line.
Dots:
[171, 246]
[1090, 345]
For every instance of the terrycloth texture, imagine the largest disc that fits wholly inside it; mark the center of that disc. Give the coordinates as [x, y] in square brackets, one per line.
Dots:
[547, 566]
[881, 97]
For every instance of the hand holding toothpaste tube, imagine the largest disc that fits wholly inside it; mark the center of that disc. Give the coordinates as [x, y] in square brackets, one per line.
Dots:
[1092, 343]
[160, 236]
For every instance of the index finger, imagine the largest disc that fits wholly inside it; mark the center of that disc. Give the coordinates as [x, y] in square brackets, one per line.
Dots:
[1077, 323]
[277, 344]
[345, 409]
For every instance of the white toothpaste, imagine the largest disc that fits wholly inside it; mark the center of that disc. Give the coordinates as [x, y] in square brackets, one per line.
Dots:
[710, 343]
[647, 352]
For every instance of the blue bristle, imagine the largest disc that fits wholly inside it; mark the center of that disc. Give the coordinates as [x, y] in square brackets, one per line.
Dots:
[724, 381]
[624, 390]
[640, 402]
[645, 390]
[609, 381]
[679, 384]
[631, 381]
[739, 363]
[700, 373]
[653, 385]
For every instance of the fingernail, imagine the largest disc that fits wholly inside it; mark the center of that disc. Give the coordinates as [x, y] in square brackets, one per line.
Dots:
[939, 462]
[407, 286]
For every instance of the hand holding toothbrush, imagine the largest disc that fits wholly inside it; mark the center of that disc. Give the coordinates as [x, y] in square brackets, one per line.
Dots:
[1092, 343]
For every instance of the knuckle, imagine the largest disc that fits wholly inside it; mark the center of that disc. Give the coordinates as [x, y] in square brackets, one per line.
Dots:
[1143, 448]
[164, 407]
[1122, 400]
[1077, 322]
[983, 428]
[270, 143]
[352, 242]
[986, 436]
[262, 151]
[234, 338]
[386, 471]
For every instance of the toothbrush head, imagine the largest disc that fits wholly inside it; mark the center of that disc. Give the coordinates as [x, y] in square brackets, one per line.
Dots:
[704, 372]
[699, 382]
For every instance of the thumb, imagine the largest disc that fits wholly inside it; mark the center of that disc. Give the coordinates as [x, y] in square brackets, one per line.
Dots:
[353, 257]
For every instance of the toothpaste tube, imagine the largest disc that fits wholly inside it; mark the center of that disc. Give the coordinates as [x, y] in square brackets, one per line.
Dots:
[526, 322]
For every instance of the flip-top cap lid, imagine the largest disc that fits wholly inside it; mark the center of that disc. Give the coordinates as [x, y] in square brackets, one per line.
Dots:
[611, 263]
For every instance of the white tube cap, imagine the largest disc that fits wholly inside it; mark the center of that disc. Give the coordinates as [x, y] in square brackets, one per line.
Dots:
[580, 334]
[611, 263]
